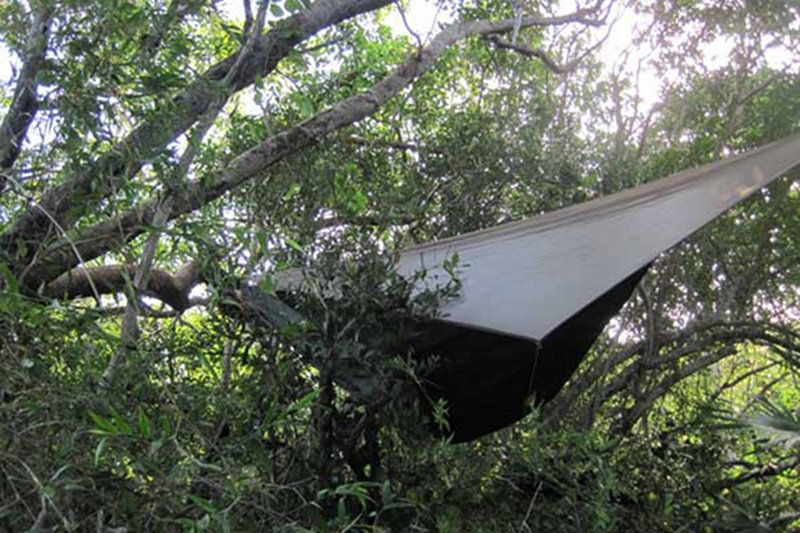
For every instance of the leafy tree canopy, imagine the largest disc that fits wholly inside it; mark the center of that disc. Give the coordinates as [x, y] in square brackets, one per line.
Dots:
[187, 158]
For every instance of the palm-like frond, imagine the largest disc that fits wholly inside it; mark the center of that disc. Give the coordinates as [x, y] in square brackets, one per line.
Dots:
[778, 420]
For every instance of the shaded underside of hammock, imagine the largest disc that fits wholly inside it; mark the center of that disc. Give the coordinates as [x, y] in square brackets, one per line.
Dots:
[490, 380]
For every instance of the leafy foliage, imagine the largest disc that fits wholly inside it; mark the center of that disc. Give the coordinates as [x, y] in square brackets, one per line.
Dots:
[171, 133]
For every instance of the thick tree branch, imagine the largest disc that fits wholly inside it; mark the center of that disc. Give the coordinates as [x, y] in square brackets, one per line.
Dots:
[24, 103]
[112, 279]
[67, 202]
[96, 240]
[149, 312]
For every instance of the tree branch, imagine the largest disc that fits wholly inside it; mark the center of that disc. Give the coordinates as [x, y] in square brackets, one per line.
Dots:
[149, 312]
[98, 239]
[411, 147]
[673, 348]
[536, 53]
[129, 335]
[545, 58]
[646, 401]
[122, 162]
[762, 472]
[24, 103]
[112, 279]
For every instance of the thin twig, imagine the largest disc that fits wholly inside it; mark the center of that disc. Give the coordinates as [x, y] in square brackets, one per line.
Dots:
[402, 12]
[524, 526]
[325, 44]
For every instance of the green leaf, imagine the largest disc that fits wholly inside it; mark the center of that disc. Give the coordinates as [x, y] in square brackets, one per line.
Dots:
[98, 450]
[276, 10]
[268, 284]
[304, 104]
[359, 202]
[202, 503]
[155, 446]
[293, 244]
[105, 425]
[121, 424]
[10, 281]
[386, 493]
[298, 405]
[144, 424]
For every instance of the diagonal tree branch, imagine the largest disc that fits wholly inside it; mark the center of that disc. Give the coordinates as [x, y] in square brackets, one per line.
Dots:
[98, 239]
[67, 202]
[24, 103]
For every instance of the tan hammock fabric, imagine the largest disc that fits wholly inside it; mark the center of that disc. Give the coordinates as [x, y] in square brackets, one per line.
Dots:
[527, 277]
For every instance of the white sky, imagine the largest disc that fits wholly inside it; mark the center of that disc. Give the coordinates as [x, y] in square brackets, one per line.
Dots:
[424, 17]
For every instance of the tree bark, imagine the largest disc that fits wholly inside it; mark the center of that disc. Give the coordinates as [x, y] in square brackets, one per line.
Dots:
[66, 203]
[24, 103]
[111, 279]
[97, 240]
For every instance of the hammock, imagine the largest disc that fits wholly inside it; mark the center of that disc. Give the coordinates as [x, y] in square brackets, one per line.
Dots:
[536, 294]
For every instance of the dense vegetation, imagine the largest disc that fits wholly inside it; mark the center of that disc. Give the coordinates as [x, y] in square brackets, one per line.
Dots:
[170, 146]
